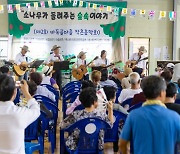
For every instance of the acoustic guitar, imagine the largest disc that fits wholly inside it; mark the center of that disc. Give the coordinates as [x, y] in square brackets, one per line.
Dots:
[79, 72]
[99, 68]
[52, 63]
[21, 69]
[133, 63]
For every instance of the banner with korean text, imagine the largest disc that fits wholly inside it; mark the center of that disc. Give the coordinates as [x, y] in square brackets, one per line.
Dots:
[75, 28]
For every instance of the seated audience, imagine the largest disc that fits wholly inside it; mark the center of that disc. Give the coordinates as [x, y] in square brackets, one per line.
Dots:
[77, 102]
[167, 75]
[171, 92]
[14, 119]
[89, 101]
[153, 129]
[134, 80]
[100, 94]
[37, 78]
[111, 96]
[32, 91]
[125, 81]
[47, 77]
[5, 70]
[105, 81]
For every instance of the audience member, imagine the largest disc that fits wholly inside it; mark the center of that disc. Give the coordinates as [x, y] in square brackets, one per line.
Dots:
[135, 80]
[105, 81]
[152, 128]
[4, 69]
[47, 77]
[96, 77]
[167, 75]
[111, 96]
[171, 92]
[32, 91]
[77, 102]
[89, 101]
[138, 98]
[14, 119]
[37, 78]
[125, 84]
[170, 67]
[159, 69]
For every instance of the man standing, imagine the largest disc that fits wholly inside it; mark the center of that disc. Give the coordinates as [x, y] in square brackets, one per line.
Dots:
[56, 57]
[153, 129]
[140, 65]
[14, 119]
[22, 60]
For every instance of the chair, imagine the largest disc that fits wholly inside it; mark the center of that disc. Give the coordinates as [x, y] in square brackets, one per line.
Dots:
[88, 137]
[53, 90]
[78, 83]
[33, 132]
[50, 124]
[69, 91]
[112, 134]
[177, 101]
[127, 102]
[17, 99]
[68, 99]
[118, 94]
[72, 86]
[135, 107]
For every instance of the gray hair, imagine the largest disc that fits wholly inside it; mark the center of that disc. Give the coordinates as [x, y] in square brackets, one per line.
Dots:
[134, 78]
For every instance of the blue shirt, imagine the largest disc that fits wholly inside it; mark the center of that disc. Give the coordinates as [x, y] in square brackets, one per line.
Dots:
[153, 130]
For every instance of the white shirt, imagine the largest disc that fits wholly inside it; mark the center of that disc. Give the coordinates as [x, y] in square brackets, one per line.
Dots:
[100, 61]
[45, 92]
[141, 64]
[108, 83]
[46, 80]
[80, 62]
[128, 93]
[53, 58]
[20, 58]
[13, 121]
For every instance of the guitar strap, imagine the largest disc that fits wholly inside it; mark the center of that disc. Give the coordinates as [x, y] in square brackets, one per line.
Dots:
[139, 59]
[26, 59]
[106, 61]
[85, 62]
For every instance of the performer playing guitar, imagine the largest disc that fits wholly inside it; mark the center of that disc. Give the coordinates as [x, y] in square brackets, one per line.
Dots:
[80, 71]
[138, 60]
[22, 60]
[55, 57]
[102, 61]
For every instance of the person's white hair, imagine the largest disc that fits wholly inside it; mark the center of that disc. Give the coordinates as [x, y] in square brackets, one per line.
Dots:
[134, 78]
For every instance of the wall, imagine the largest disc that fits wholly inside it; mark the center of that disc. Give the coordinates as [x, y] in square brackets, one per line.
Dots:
[159, 31]
[176, 43]
[3, 20]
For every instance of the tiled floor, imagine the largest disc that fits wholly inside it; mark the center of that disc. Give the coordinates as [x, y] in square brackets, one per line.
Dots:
[47, 150]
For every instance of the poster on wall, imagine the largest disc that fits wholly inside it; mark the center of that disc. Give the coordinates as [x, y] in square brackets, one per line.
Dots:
[73, 28]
